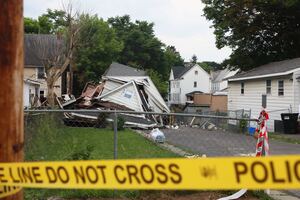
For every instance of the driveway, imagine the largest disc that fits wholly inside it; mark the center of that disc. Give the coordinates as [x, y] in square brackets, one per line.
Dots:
[220, 143]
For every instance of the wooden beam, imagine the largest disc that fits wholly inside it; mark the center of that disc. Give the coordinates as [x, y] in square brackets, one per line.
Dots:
[11, 83]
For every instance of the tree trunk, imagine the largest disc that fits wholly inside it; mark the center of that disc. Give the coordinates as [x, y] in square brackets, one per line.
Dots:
[11, 84]
[50, 92]
[72, 66]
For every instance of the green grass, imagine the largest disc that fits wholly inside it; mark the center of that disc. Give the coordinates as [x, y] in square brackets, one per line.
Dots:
[47, 139]
[283, 138]
[71, 140]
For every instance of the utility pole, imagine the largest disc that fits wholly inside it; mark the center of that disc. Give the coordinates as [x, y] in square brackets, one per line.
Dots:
[11, 84]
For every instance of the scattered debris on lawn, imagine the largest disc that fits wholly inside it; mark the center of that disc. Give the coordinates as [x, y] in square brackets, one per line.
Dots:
[157, 136]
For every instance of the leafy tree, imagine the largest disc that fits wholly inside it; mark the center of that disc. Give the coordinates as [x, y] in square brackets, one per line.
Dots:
[58, 19]
[172, 58]
[97, 47]
[141, 48]
[45, 25]
[210, 66]
[258, 32]
[52, 22]
[31, 25]
[194, 59]
[158, 81]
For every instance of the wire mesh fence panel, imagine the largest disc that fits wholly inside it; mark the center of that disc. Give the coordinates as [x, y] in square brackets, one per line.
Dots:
[95, 134]
[53, 136]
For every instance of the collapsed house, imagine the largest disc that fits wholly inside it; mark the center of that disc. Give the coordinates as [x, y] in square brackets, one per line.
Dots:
[121, 88]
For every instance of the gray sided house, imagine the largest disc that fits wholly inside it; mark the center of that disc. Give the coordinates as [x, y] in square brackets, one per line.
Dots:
[275, 86]
[219, 81]
[37, 49]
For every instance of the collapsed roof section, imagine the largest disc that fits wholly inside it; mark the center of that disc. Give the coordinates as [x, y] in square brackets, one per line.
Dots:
[118, 90]
[142, 86]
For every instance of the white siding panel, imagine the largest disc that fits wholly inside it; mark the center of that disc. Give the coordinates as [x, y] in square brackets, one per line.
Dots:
[26, 95]
[296, 91]
[110, 86]
[252, 97]
[126, 96]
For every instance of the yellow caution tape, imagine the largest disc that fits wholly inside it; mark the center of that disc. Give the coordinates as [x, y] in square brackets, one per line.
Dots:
[8, 190]
[278, 172]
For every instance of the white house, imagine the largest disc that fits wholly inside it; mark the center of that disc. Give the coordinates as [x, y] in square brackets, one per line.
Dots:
[275, 85]
[187, 79]
[31, 90]
[219, 82]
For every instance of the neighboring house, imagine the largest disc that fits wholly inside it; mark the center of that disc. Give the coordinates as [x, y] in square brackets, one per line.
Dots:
[34, 68]
[219, 81]
[187, 79]
[275, 86]
[31, 91]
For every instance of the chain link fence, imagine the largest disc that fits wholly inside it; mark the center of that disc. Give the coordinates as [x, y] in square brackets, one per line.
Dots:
[95, 134]
[56, 135]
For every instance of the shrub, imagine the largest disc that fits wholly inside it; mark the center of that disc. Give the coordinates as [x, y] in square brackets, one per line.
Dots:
[82, 154]
[243, 125]
[101, 120]
[120, 123]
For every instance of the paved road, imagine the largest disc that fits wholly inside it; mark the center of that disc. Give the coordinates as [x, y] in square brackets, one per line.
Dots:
[219, 143]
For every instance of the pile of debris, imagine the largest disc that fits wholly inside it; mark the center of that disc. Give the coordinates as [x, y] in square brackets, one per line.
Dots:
[121, 88]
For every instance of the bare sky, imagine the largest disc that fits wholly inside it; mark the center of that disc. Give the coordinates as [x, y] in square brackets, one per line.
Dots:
[177, 22]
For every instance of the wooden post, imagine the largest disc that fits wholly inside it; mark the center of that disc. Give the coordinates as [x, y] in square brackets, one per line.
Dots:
[11, 83]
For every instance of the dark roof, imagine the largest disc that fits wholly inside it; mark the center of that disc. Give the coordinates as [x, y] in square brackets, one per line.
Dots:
[270, 68]
[179, 71]
[40, 47]
[219, 75]
[117, 69]
[194, 92]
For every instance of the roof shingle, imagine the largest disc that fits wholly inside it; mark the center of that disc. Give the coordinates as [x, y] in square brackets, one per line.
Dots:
[178, 71]
[40, 47]
[270, 68]
[117, 69]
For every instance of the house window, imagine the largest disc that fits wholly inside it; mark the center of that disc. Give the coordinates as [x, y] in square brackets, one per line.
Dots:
[42, 93]
[41, 72]
[268, 86]
[280, 88]
[196, 72]
[175, 97]
[195, 83]
[242, 88]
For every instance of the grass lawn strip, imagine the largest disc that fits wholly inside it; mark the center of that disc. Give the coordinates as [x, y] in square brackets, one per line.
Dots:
[70, 143]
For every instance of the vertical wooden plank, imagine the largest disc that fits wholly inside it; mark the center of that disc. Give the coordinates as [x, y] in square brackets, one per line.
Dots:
[11, 83]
